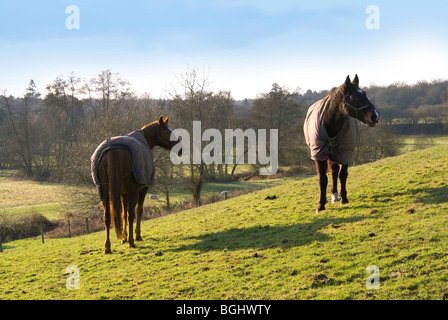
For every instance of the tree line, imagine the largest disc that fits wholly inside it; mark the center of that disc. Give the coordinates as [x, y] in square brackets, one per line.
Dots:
[51, 135]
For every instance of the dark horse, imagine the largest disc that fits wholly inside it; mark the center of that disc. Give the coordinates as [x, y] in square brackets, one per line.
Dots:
[331, 132]
[119, 191]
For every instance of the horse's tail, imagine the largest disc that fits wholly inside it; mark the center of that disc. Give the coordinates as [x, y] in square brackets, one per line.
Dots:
[114, 173]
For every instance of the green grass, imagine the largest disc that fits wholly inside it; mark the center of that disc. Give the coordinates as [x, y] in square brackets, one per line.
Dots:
[51, 199]
[250, 248]
[24, 196]
[179, 195]
[409, 141]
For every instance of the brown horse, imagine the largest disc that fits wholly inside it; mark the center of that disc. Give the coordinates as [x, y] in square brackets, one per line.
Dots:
[331, 132]
[119, 189]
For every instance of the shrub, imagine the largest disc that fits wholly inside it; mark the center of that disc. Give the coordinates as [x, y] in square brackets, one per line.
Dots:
[18, 226]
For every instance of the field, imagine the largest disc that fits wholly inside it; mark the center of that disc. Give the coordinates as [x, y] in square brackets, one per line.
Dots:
[20, 196]
[251, 248]
[52, 199]
[414, 142]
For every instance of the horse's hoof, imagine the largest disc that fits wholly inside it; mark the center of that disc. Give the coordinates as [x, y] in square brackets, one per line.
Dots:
[132, 245]
[139, 238]
[320, 208]
[107, 251]
[344, 201]
[334, 197]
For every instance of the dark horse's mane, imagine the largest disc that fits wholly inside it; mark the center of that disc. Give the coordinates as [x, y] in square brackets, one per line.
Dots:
[335, 115]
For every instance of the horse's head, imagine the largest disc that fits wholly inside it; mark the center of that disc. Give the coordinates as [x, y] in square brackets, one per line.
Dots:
[158, 133]
[356, 103]
[165, 135]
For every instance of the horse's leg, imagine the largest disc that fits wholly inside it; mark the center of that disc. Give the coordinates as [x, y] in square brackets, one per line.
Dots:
[124, 201]
[141, 200]
[323, 181]
[343, 174]
[106, 207]
[334, 168]
[132, 202]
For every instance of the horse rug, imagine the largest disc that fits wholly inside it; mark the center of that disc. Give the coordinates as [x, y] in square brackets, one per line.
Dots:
[142, 157]
[338, 149]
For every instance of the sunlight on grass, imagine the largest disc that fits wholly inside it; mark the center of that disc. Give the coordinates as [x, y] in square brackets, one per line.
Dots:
[251, 248]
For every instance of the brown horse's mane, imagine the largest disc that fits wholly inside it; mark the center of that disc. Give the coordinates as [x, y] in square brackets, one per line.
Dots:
[149, 124]
[149, 132]
[336, 113]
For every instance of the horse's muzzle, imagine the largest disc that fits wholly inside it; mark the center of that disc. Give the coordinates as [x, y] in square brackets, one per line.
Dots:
[372, 118]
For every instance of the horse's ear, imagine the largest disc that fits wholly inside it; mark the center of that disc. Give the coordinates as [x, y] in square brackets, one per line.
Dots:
[347, 81]
[161, 119]
[346, 85]
[167, 119]
[356, 81]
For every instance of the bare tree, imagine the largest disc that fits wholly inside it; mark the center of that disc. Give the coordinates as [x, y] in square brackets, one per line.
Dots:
[280, 109]
[192, 105]
[20, 114]
[167, 176]
[62, 114]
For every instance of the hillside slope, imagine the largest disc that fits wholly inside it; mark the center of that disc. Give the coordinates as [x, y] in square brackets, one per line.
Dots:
[251, 248]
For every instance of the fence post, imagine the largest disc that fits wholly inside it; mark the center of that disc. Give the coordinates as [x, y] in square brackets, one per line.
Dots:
[69, 230]
[87, 225]
[42, 232]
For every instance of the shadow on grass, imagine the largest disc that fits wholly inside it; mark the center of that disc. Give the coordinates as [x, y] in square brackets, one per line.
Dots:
[436, 195]
[263, 237]
[431, 195]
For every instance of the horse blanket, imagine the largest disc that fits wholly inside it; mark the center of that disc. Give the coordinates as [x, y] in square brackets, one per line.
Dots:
[338, 149]
[142, 157]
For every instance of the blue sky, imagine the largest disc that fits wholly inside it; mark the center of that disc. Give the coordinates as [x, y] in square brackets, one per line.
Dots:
[243, 46]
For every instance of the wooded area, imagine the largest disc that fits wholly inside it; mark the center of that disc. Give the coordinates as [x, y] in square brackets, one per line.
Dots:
[51, 135]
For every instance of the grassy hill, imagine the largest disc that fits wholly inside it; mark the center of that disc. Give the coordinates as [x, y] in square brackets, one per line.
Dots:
[24, 197]
[251, 248]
